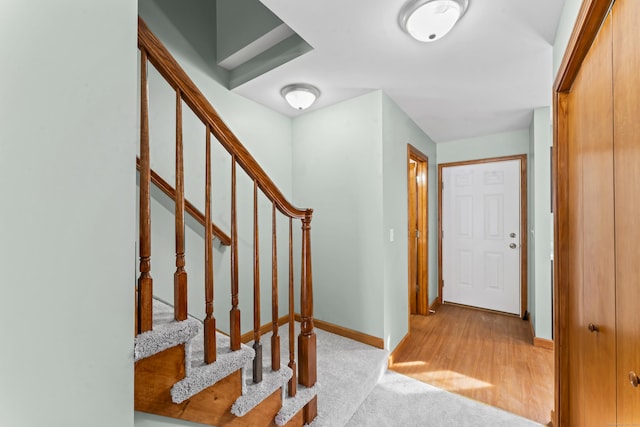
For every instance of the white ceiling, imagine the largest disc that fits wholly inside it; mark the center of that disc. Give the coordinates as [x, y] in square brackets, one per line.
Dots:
[484, 77]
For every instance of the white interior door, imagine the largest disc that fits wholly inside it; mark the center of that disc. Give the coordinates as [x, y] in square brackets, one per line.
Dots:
[481, 235]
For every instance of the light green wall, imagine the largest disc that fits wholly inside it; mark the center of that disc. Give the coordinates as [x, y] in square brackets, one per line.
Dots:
[350, 166]
[67, 147]
[565, 27]
[540, 222]
[240, 22]
[483, 147]
[337, 165]
[398, 130]
[531, 208]
[195, 19]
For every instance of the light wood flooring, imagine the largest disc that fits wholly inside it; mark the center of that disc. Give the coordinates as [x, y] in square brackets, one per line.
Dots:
[481, 355]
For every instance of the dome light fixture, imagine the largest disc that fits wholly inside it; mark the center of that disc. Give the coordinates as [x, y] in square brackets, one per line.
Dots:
[430, 20]
[300, 95]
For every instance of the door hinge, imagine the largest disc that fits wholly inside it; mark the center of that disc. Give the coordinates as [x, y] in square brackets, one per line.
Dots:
[417, 234]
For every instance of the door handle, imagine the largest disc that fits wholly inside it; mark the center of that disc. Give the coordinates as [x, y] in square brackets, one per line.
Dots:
[593, 328]
[633, 379]
[513, 246]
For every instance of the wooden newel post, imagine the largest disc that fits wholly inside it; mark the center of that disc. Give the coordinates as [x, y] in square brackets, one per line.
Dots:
[307, 370]
[145, 282]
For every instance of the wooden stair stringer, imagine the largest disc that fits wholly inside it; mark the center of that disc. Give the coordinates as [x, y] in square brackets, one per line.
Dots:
[155, 375]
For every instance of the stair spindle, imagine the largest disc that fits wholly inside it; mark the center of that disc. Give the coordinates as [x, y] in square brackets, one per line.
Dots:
[234, 314]
[307, 371]
[275, 338]
[180, 275]
[209, 321]
[293, 382]
[257, 346]
[145, 282]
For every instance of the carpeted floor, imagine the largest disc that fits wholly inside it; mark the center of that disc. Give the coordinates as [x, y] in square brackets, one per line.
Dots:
[398, 400]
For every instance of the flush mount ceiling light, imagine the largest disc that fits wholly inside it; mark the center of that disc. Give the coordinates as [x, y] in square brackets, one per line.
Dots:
[430, 20]
[300, 96]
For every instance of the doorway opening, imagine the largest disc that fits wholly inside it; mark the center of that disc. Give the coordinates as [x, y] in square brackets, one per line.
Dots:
[482, 211]
[418, 230]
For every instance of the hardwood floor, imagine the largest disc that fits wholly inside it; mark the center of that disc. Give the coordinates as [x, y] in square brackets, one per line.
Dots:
[482, 355]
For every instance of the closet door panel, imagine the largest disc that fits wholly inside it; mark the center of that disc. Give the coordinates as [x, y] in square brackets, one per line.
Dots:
[576, 332]
[626, 60]
[592, 106]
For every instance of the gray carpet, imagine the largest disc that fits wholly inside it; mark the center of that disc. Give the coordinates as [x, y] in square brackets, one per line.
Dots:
[399, 400]
[347, 372]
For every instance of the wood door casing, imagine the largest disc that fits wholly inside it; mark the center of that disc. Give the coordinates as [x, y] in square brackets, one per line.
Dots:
[418, 207]
[523, 225]
[413, 246]
[626, 93]
[591, 136]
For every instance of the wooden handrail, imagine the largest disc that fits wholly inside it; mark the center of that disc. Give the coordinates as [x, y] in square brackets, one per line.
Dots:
[167, 189]
[167, 66]
[154, 52]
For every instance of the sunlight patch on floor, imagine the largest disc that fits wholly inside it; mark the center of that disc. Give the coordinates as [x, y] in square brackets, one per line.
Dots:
[452, 381]
[408, 364]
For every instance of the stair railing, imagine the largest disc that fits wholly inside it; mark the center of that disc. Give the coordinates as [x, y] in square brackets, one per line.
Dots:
[152, 51]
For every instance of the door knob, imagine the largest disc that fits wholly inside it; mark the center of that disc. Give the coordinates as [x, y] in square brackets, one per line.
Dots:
[512, 235]
[513, 246]
[633, 379]
[593, 328]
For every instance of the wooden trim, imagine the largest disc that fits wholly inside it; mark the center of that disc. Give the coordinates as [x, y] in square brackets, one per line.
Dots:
[169, 68]
[264, 329]
[346, 332]
[422, 267]
[560, 260]
[398, 348]
[435, 304]
[590, 18]
[531, 329]
[167, 189]
[543, 343]
[523, 223]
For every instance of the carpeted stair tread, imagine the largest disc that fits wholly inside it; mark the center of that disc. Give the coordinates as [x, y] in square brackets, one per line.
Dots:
[253, 394]
[166, 332]
[199, 375]
[291, 405]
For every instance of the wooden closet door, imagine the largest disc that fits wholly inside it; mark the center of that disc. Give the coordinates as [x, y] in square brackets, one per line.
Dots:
[593, 343]
[626, 60]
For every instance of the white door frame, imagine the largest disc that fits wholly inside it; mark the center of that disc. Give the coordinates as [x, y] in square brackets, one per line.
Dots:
[523, 225]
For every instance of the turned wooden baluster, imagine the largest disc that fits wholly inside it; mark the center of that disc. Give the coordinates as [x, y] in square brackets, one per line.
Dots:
[307, 371]
[257, 346]
[180, 276]
[209, 321]
[293, 382]
[275, 339]
[145, 282]
[234, 314]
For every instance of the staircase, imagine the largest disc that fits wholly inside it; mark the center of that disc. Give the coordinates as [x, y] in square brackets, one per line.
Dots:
[186, 368]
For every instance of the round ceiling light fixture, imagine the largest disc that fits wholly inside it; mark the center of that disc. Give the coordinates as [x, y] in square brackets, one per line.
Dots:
[300, 95]
[430, 20]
